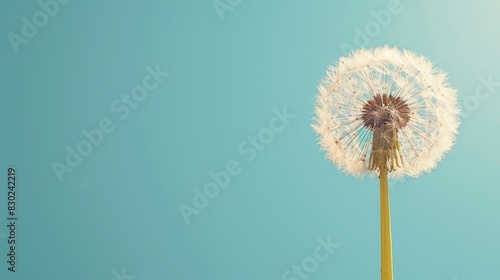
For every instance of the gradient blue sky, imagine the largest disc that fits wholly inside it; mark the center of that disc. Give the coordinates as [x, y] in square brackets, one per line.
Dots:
[119, 208]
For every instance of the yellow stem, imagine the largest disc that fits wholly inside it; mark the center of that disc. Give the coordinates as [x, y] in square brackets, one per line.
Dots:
[385, 224]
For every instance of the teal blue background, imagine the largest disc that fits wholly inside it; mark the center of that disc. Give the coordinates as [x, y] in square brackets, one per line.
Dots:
[119, 207]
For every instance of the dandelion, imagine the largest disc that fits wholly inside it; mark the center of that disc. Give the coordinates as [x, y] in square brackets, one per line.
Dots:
[388, 113]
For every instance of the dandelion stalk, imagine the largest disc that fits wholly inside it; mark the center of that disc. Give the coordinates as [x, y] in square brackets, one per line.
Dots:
[385, 226]
[384, 151]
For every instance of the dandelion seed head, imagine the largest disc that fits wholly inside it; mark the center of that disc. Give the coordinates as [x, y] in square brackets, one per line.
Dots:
[383, 110]
[388, 103]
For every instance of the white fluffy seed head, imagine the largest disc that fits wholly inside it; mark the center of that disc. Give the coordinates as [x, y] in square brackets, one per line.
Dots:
[347, 87]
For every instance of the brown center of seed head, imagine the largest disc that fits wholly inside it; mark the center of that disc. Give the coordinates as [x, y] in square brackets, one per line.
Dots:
[384, 111]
